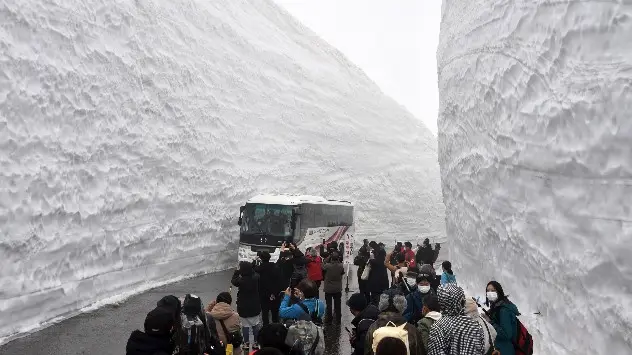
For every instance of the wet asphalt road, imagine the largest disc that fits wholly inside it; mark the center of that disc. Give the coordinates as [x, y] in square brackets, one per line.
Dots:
[105, 331]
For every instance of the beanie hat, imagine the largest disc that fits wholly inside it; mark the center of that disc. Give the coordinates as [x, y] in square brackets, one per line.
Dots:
[427, 269]
[357, 302]
[224, 297]
[399, 302]
[159, 321]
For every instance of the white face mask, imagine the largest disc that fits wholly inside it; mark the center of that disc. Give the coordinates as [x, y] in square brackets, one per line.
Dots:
[423, 289]
[411, 281]
[492, 296]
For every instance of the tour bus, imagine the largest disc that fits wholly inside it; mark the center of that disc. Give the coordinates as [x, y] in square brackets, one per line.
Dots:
[266, 221]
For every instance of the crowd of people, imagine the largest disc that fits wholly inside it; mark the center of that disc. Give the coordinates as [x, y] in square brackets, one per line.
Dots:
[278, 309]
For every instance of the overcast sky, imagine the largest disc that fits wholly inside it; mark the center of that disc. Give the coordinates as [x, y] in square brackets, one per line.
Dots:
[393, 41]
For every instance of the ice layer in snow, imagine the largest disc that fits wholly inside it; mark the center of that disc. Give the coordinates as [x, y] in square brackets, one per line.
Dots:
[535, 150]
[132, 131]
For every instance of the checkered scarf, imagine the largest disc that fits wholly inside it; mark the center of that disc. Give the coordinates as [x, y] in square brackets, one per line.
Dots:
[455, 333]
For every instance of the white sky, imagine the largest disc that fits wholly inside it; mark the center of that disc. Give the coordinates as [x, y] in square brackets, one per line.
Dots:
[393, 41]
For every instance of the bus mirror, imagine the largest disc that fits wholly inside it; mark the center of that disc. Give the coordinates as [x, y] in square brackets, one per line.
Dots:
[241, 209]
[239, 221]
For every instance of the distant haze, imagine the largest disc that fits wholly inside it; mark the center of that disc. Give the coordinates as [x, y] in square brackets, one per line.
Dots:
[394, 42]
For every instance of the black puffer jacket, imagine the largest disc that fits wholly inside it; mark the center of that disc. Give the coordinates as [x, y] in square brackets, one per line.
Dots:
[248, 302]
[270, 280]
[140, 343]
[378, 276]
[455, 333]
[362, 322]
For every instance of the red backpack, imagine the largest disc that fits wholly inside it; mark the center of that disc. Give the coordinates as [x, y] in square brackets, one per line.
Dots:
[524, 342]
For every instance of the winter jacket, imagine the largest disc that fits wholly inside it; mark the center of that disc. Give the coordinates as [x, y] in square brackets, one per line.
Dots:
[295, 311]
[364, 255]
[248, 302]
[409, 255]
[223, 312]
[455, 333]
[447, 278]
[503, 315]
[287, 268]
[314, 268]
[414, 304]
[414, 338]
[140, 343]
[333, 277]
[471, 310]
[270, 280]
[425, 255]
[362, 322]
[378, 277]
[424, 326]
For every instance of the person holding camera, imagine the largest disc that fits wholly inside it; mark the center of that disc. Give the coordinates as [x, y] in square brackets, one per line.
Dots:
[248, 302]
[270, 286]
[308, 303]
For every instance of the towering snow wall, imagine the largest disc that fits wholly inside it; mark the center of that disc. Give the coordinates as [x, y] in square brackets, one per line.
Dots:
[132, 131]
[535, 149]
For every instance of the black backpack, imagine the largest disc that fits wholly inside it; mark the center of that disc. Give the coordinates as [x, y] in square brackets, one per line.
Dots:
[193, 336]
[313, 316]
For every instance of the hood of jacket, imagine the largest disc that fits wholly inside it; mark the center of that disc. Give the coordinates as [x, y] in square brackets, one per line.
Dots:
[433, 315]
[505, 303]
[141, 343]
[471, 308]
[221, 311]
[451, 300]
[386, 317]
[370, 312]
[245, 269]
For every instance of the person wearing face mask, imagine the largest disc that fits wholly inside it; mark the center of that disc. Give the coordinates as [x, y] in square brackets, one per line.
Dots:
[414, 300]
[503, 316]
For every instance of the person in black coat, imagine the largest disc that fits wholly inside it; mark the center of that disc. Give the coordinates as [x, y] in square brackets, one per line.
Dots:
[378, 276]
[364, 315]
[360, 260]
[248, 301]
[156, 340]
[270, 286]
[286, 265]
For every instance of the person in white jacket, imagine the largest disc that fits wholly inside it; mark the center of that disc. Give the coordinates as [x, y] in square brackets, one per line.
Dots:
[471, 310]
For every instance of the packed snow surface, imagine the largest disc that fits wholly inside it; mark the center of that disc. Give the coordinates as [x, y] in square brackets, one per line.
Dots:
[535, 149]
[132, 131]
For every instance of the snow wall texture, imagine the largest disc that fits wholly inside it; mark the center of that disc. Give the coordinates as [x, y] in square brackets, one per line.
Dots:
[131, 132]
[536, 165]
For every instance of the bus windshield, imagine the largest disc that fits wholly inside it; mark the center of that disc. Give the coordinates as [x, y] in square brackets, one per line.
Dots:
[272, 220]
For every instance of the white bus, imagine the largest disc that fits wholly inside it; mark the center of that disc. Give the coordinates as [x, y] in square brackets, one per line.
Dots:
[266, 221]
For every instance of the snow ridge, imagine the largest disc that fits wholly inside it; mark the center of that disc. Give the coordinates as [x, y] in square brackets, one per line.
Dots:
[534, 150]
[131, 132]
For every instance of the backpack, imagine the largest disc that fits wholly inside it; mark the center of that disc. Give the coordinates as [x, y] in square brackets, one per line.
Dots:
[306, 320]
[192, 333]
[311, 317]
[524, 341]
[390, 330]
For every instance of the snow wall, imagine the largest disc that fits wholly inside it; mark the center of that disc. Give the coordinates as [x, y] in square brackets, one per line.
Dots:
[535, 142]
[132, 131]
